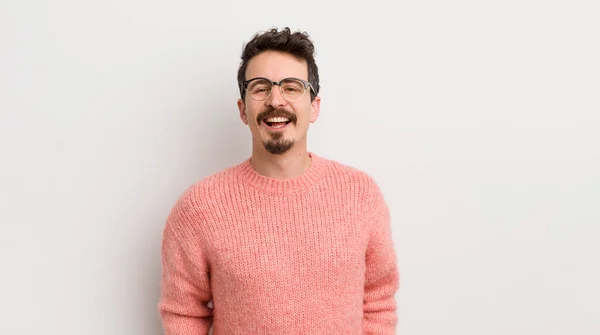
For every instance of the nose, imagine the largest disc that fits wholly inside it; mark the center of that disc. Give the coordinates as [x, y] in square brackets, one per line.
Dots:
[275, 99]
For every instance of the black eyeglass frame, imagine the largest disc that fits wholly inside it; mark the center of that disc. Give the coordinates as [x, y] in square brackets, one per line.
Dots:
[306, 83]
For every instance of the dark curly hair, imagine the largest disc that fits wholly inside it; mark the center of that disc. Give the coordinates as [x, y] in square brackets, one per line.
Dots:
[297, 43]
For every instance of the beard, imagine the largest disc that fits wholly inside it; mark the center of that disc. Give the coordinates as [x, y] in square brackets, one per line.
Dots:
[278, 145]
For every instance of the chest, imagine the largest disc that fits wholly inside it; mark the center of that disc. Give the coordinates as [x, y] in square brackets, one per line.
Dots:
[259, 248]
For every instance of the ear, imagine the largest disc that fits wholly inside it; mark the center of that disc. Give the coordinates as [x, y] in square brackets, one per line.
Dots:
[242, 107]
[315, 106]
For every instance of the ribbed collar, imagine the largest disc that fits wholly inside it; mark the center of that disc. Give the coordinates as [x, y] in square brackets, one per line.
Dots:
[283, 186]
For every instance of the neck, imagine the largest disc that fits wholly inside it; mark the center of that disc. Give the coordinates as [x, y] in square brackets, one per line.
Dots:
[291, 164]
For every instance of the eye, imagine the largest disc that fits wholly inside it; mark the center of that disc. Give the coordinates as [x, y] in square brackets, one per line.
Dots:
[291, 89]
[259, 89]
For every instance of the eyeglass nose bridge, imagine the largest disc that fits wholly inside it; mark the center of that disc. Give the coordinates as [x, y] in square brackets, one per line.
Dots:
[278, 83]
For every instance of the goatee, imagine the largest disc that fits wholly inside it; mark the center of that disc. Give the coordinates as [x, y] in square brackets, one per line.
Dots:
[277, 145]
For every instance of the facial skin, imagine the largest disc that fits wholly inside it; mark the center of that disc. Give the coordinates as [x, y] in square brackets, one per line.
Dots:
[275, 66]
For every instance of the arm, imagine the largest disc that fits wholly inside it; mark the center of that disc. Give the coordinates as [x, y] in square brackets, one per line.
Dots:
[381, 277]
[185, 284]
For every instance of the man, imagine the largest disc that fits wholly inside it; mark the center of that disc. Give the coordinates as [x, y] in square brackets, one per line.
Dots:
[286, 242]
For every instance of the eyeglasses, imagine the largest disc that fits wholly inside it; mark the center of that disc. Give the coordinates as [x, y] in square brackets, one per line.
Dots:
[292, 89]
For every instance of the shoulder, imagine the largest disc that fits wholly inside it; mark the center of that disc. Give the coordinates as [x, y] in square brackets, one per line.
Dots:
[360, 191]
[355, 180]
[204, 189]
[194, 202]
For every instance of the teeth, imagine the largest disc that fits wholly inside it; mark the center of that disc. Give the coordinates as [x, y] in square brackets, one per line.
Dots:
[277, 119]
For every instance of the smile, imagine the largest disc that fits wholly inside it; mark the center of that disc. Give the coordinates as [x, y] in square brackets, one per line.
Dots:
[276, 123]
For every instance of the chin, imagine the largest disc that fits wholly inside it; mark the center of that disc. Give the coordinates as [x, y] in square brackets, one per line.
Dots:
[278, 147]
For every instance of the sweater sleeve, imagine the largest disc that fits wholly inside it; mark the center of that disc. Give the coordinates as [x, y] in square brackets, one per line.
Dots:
[381, 277]
[185, 283]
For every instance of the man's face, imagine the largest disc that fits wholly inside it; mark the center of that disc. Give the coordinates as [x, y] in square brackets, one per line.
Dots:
[278, 137]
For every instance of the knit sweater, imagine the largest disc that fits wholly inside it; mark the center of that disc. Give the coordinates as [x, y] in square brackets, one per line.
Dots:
[249, 254]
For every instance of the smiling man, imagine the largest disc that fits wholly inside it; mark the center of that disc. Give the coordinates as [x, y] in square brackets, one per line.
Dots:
[279, 112]
[286, 242]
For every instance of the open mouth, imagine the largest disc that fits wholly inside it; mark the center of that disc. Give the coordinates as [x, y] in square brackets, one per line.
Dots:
[277, 122]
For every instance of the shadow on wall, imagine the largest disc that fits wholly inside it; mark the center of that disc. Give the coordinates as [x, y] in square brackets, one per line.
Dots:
[217, 144]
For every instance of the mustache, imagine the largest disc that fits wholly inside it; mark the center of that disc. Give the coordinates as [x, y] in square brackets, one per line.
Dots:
[275, 112]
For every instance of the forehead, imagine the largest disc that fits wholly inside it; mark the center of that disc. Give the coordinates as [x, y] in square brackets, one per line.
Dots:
[276, 65]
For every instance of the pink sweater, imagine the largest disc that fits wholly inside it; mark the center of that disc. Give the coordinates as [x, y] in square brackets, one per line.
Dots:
[309, 255]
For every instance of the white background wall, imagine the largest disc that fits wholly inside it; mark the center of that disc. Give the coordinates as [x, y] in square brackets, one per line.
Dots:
[479, 119]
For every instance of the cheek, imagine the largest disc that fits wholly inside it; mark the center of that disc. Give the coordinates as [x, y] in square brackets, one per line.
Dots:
[251, 114]
[304, 117]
